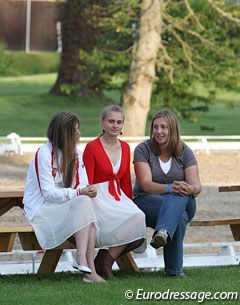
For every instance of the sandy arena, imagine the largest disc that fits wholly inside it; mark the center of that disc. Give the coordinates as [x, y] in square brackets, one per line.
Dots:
[216, 169]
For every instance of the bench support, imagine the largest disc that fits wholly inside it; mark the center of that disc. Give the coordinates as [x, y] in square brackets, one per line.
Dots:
[50, 260]
[235, 231]
[126, 262]
[7, 241]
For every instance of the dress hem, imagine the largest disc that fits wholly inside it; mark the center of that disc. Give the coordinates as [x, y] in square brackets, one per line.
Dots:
[58, 244]
[121, 244]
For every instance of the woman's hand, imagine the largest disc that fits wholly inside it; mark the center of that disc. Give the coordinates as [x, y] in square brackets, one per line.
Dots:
[89, 191]
[182, 188]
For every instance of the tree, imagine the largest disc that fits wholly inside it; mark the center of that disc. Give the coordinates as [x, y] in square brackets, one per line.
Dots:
[175, 44]
[78, 33]
[137, 95]
[194, 45]
[95, 38]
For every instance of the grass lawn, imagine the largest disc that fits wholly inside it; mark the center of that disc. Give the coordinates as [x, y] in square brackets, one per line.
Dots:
[68, 288]
[26, 108]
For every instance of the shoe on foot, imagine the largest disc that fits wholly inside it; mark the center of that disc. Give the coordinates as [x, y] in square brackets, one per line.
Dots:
[83, 269]
[180, 275]
[159, 239]
[103, 263]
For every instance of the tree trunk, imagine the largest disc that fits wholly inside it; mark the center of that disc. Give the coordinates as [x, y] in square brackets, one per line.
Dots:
[137, 94]
[76, 34]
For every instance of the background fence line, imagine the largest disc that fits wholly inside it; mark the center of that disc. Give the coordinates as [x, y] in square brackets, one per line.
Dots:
[197, 143]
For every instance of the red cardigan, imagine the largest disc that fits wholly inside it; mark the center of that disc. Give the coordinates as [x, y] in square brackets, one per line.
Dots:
[99, 168]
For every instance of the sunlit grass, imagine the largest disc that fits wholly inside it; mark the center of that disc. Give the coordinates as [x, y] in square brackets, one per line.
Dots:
[26, 108]
[68, 288]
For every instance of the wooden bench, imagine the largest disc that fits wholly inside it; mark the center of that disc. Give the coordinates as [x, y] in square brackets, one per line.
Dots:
[234, 223]
[29, 241]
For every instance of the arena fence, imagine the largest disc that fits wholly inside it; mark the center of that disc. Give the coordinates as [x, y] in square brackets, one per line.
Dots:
[13, 143]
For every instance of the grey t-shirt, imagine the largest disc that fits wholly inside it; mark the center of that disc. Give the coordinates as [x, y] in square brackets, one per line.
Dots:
[143, 153]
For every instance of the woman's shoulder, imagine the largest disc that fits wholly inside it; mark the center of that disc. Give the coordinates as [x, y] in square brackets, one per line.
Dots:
[186, 149]
[188, 155]
[146, 145]
[45, 148]
[124, 143]
[143, 150]
[93, 142]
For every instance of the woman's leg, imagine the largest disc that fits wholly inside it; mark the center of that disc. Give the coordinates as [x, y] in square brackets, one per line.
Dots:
[171, 212]
[150, 205]
[85, 242]
[105, 258]
[90, 256]
[159, 211]
[82, 239]
[173, 251]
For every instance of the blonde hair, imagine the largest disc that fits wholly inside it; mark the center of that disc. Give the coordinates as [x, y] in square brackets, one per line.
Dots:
[111, 108]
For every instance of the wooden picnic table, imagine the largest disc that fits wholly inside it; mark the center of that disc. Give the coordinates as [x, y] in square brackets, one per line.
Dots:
[10, 199]
[233, 223]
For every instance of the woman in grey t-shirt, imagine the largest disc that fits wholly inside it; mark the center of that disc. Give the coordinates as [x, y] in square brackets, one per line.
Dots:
[167, 182]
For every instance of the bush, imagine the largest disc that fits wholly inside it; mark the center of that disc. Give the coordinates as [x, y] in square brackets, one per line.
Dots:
[21, 63]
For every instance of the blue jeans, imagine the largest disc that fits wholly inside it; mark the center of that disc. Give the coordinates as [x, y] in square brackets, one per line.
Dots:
[171, 212]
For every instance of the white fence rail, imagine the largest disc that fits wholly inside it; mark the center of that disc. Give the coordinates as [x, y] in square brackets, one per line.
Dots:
[197, 143]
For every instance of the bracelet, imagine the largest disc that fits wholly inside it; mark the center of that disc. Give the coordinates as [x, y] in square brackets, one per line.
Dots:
[168, 188]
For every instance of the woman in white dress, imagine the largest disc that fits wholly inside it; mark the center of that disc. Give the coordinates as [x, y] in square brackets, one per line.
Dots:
[57, 197]
[121, 223]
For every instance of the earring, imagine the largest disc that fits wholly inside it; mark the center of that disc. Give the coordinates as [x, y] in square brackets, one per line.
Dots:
[103, 131]
[121, 133]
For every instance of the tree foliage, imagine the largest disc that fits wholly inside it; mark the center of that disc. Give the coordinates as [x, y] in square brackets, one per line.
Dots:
[96, 45]
[199, 43]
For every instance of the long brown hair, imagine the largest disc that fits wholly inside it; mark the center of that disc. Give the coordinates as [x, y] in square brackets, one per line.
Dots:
[174, 143]
[61, 133]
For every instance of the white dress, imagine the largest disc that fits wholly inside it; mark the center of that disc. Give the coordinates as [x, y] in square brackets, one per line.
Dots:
[56, 219]
[119, 222]
[54, 223]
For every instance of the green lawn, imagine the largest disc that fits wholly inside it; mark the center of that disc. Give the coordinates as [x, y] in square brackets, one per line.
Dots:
[68, 288]
[26, 108]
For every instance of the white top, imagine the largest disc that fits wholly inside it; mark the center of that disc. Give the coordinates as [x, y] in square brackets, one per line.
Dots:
[165, 166]
[51, 189]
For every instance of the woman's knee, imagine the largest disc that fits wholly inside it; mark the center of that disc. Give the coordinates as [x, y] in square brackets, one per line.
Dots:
[191, 208]
[140, 218]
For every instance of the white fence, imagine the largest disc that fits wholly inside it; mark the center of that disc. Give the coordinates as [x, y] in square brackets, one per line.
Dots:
[197, 143]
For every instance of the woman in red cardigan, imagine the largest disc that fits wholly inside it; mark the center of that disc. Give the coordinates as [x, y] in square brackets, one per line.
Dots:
[121, 223]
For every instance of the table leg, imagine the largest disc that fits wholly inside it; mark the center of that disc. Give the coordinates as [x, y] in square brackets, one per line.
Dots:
[50, 260]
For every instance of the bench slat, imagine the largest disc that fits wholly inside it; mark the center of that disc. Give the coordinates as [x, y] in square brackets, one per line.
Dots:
[233, 188]
[11, 194]
[218, 222]
[16, 229]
